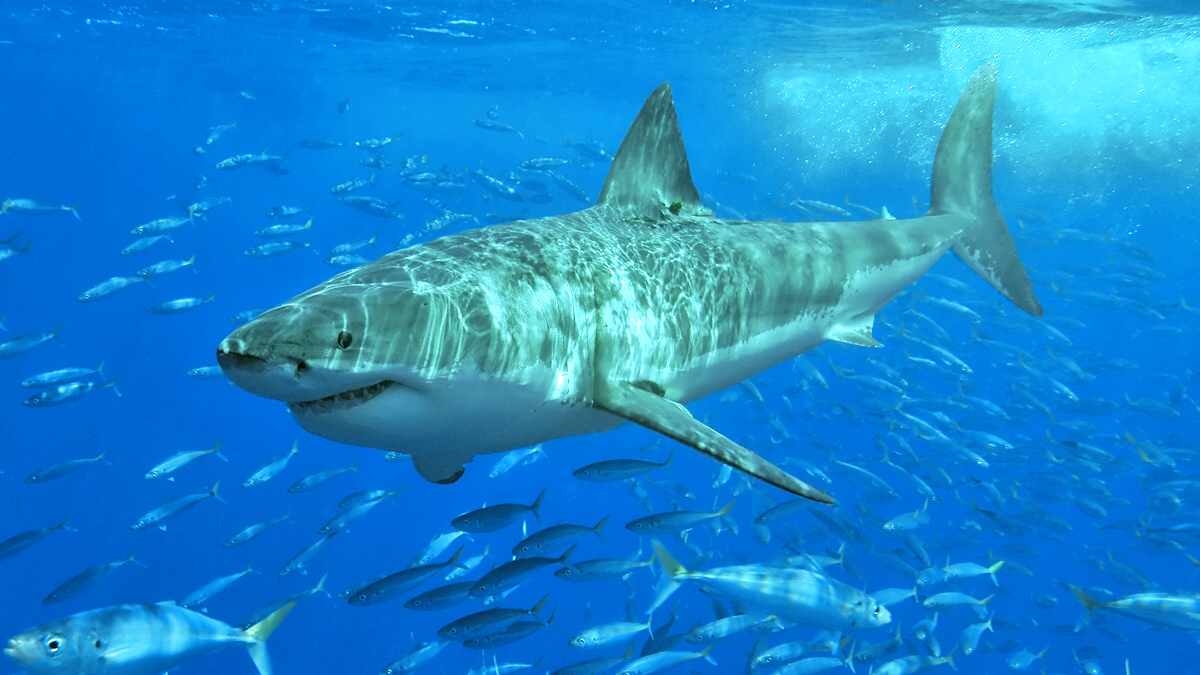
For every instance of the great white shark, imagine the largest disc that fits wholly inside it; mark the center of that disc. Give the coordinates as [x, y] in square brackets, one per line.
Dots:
[514, 334]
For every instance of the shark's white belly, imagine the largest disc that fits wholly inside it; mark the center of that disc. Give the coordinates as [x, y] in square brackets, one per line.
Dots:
[459, 415]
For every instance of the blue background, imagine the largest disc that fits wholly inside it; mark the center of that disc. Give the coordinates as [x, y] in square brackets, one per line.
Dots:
[1096, 137]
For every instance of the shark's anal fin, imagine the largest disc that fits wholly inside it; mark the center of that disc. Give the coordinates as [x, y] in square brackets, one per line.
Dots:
[670, 419]
[437, 469]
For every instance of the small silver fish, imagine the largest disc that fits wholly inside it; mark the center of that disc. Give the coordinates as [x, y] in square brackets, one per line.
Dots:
[271, 468]
[181, 459]
[180, 305]
[173, 508]
[63, 468]
[246, 534]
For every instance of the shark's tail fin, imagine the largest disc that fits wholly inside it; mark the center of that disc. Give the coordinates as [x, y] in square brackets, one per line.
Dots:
[962, 186]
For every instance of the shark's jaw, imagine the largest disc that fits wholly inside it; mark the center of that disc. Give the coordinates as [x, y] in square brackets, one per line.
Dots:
[441, 421]
[341, 401]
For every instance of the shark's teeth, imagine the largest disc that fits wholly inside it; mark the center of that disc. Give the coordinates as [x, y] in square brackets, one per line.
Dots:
[341, 401]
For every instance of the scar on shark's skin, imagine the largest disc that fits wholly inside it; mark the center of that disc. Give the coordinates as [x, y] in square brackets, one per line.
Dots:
[514, 334]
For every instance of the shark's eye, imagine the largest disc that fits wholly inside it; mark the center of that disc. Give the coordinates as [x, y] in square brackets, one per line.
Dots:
[344, 339]
[52, 644]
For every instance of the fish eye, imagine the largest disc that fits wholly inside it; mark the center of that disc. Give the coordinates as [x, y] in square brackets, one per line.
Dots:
[52, 644]
[362, 596]
[97, 643]
[344, 339]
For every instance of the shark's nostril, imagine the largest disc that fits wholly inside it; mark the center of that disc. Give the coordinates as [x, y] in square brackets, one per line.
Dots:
[229, 360]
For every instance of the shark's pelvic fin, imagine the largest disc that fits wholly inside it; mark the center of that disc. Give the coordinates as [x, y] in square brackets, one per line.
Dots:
[636, 404]
[860, 336]
[650, 174]
[437, 468]
[962, 186]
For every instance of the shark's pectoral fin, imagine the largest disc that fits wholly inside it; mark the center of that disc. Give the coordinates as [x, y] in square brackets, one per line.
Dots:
[636, 404]
[437, 468]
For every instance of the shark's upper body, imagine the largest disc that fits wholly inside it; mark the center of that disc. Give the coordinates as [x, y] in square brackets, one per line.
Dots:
[510, 335]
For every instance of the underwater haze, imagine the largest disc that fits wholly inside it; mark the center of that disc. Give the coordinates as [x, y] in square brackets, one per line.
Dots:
[274, 145]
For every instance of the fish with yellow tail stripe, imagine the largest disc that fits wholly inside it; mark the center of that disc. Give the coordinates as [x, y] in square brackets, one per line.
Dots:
[789, 593]
[1170, 610]
[135, 640]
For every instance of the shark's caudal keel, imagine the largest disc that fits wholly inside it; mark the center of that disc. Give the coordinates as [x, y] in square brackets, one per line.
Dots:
[506, 336]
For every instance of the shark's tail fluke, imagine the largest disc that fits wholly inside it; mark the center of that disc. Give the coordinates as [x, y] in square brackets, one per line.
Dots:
[962, 186]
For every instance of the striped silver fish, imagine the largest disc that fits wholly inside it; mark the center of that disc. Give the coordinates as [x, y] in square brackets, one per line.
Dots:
[135, 640]
[793, 594]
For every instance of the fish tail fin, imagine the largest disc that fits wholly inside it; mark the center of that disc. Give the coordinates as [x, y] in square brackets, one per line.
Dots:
[600, 526]
[113, 384]
[260, 632]
[74, 209]
[320, 587]
[54, 333]
[100, 458]
[992, 571]
[100, 369]
[213, 493]
[565, 558]
[669, 564]
[728, 507]
[670, 582]
[133, 558]
[707, 655]
[1088, 601]
[962, 186]
[453, 561]
[217, 451]
[538, 607]
[536, 507]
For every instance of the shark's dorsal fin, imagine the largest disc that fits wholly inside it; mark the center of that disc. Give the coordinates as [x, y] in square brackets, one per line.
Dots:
[650, 174]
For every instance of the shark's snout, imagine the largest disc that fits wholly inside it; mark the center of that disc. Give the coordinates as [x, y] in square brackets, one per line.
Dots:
[231, 358]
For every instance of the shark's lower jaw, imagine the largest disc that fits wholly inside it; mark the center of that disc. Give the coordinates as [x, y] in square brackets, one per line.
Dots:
[341, 401]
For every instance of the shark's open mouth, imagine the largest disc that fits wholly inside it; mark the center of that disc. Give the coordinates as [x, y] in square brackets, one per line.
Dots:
[342, 401]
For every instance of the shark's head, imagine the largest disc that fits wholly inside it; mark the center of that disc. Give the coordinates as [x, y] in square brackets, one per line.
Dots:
[302, 351]
[334, 358]
[377, 358]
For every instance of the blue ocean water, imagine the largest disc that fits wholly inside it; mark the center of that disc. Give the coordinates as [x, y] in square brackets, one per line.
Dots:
[789, 111]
